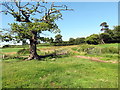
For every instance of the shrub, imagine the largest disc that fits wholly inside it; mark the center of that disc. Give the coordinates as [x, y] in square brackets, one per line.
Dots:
[92, 39]
[95, 50]
[85, 48]
[5, 46]
[112, 50]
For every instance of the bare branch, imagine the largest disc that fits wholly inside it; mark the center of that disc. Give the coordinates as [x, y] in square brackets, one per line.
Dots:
[16, 3]
[25, 5]
[25, 11]
[7, 6]
[44, 8]
[57, 10]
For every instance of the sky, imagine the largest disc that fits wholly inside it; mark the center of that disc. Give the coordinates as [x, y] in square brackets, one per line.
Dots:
[87, 17]
[83, 21]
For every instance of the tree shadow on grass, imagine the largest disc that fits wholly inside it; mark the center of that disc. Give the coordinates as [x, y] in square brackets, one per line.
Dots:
[51, 56]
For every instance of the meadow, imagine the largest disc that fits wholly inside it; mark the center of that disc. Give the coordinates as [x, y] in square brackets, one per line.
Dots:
[83, 66]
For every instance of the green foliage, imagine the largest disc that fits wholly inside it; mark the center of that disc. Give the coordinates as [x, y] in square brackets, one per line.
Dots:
[71, 40]
[25, 30]
[92, 39]
[24, 42]
[76, 41]
[30, 26]
[105, 27]
[109, 36]
[6, 37]
[6, 46]
[105, 50]
[85, 48]
[79, 41]
[91, 49]
[58, 38]
[116, 34]
[106, 37]
[51, 40]
[112, 50]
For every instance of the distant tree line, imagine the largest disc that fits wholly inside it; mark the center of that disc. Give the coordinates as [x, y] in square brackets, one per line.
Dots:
[107, 36]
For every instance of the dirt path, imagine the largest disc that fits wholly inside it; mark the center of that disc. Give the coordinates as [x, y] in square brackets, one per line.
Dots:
[96, 59]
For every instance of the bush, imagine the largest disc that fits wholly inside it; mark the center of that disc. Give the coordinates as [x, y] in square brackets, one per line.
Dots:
[92, 39]
[85, 48]
[112, 50]
[5, 46]
[95, 50]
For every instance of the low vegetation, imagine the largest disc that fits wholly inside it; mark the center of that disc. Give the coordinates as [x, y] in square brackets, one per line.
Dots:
[62, 71]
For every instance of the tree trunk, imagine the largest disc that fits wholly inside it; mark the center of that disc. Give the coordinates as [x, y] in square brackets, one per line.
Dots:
[33, 48]
[102, 41]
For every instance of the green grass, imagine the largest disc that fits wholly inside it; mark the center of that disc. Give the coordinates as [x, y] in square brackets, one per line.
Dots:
[64, 72]
[10, 49]
[108, 45]
[68, 72]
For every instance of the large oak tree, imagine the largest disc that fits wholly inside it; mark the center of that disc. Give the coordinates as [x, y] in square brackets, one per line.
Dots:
[34, 18]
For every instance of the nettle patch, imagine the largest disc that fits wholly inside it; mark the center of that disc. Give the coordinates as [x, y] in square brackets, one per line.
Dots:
[91, 49]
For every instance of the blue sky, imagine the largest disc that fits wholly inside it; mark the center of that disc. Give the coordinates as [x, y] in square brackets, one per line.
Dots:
[84, 20]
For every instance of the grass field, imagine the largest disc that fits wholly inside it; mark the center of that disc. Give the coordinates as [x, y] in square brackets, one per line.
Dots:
[61, 72]
[109, 45]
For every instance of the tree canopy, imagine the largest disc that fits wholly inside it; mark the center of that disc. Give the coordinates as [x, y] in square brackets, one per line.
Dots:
[34, 18]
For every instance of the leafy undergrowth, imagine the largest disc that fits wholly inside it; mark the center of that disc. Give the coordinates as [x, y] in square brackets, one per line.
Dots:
[104, 52]
[47, 54]
[67, 72]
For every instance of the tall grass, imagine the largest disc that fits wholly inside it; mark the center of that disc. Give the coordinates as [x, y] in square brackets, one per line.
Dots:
[92, 49]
